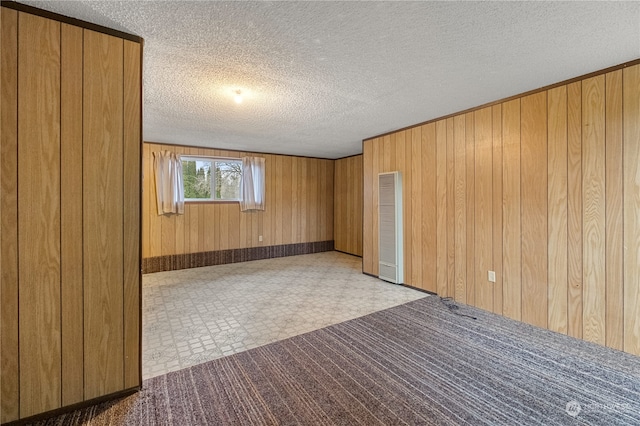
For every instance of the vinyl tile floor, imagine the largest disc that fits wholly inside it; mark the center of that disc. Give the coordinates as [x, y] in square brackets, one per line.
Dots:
[195, 315]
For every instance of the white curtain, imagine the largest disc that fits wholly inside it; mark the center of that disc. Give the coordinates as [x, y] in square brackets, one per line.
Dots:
[252, 184]
[169, 188]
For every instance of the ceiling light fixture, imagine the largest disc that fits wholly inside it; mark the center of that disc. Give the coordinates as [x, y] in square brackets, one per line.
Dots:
[238, 97]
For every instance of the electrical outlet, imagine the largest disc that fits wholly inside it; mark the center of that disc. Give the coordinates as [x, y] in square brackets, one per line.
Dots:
[260, 238]
[492, 276]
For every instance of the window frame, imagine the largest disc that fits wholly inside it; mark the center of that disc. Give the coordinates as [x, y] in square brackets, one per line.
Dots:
[212, 160]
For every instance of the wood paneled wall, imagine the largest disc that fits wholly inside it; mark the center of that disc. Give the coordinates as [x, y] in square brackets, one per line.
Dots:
[543, 189]
[348, 205]
[70, 200]
[298, 209]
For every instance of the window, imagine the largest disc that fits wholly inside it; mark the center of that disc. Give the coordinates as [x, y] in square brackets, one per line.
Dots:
[211, 179]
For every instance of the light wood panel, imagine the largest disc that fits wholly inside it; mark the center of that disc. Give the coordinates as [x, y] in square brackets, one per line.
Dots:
[483, 211]
[470, 194]
[574, 207]
[9, 354]
[132, 145]
[348, 204]
[614, 225]
[534, 208]
[511, 213]
[631, 161]
[299, 208]
[39, 213]
[429, 228]
[459, 141]
[557, 213]
[71, 215]
[103, 213]
[441, 206]
[593, 213]
[417, 195]
[451, 219]
[496, 112]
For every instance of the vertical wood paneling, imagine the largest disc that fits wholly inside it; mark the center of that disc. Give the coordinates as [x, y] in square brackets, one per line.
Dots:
[451, 211]
[328, 196]
[557, 202]
[483, 212]
[441, 207]
[470, 194]
[496, 112]
[593, 213]
[367, 206]
[459, 141]
[9, 355]
[511, 217]
[348, 204]
[414, 160]
[71, 214]
[131, 214]
[428, 251]
[103, 214]
[534, 208]
[614, 228]
[631, 149]
[39, 213]
[543, 189]
[574, 207]
[404, 165]
[279, 179]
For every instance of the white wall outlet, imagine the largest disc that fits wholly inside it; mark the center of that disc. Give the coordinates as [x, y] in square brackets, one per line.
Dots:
[492, 276]
[260, 238]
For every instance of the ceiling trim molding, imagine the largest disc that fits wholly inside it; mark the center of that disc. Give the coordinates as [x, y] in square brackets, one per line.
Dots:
[510, 98]
[68, 20]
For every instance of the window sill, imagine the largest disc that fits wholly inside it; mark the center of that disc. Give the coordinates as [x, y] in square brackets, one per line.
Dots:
[212, 202]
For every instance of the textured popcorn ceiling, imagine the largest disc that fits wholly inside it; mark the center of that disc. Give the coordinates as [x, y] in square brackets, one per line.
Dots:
[318, 77]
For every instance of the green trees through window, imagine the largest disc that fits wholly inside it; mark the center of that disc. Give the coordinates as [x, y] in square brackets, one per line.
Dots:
[211, 179]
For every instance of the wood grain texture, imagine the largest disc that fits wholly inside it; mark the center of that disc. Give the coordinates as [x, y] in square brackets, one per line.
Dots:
[429, 226]
[9, 343]
[414, 159]
[511, 211]
[459, 140]
[574, 207]
[404, 165]
[299, 209]
[471, 205]
[614, 229]
[71, 215]
[557, 204]
[39, 213]
[103, 214]
[132, 285]
[631, 149]
[347, 205]
[496, 112]
[441, 206]
[593, 213]
[483, 211]
[367, 203]
[451, 211]
[534, 209]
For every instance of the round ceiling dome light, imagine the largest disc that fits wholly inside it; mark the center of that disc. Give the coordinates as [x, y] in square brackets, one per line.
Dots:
[238, 97]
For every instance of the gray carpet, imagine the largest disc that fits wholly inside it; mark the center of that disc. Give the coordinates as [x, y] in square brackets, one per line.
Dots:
[419, 364]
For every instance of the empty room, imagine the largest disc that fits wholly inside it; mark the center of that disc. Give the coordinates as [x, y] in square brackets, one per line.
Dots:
[319, 213]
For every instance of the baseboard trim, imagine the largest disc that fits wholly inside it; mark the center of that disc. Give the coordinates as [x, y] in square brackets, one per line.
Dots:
[222, 257]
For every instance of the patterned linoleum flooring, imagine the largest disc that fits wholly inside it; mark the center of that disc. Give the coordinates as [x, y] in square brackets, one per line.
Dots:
[195, 315]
